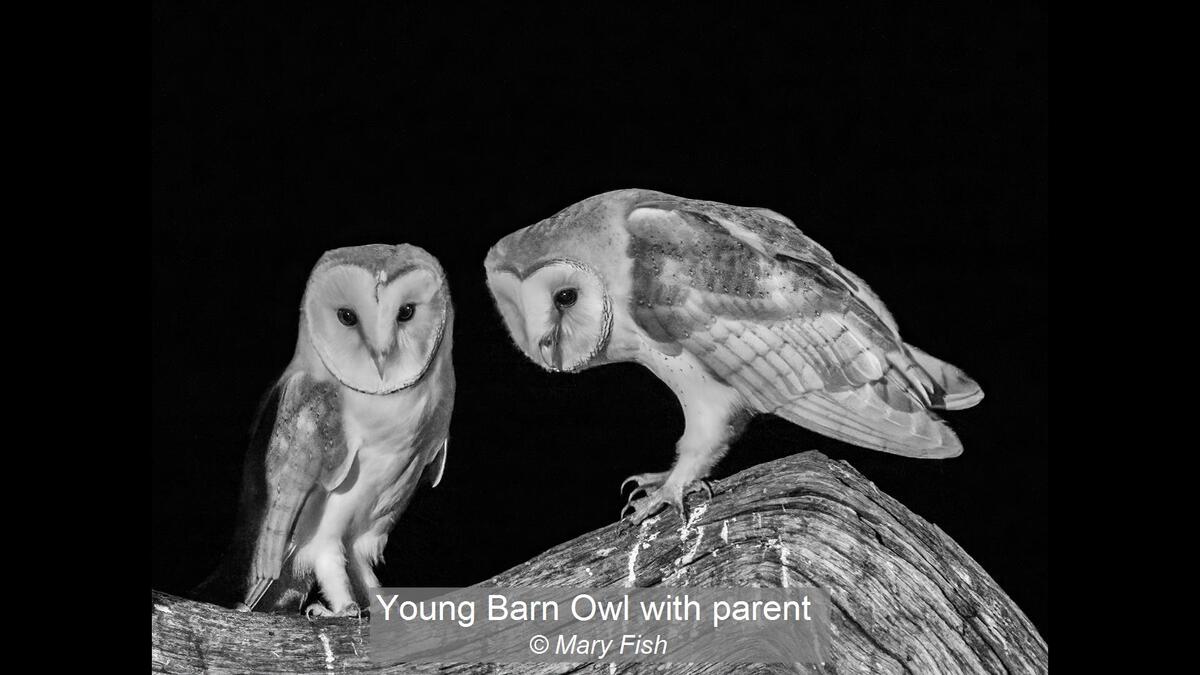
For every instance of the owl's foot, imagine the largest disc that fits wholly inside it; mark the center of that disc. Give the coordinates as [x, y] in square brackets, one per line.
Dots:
[668, 494]
[316, 610]
[642, 484]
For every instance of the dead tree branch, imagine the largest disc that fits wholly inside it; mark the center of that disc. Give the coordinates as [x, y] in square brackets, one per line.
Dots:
[906, 597]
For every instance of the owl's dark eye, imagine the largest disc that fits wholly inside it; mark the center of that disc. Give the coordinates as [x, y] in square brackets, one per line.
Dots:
[406, 312]
[347, 317]
[566, 297]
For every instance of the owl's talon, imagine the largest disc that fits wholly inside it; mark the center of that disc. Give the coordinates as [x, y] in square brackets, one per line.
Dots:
[633, 495]
[317, 610]
[351, 609]
[626, 482]
[653, 503]
[652, 479]
[631, 503]
[644, 482]
[646, 507]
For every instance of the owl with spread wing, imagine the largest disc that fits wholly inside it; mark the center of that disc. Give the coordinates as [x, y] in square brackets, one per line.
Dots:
[356, 423]
[737, 311]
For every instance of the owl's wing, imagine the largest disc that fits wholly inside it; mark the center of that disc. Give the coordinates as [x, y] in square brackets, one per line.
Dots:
[768, 311]
[297, 445]
[435, 431]
[306, 449]
[437, 466]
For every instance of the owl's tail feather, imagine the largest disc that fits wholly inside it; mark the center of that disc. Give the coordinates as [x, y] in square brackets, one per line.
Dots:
[957, 390]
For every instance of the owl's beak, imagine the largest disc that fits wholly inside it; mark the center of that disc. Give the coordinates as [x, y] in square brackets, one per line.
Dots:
[551, 348]
[380, 359]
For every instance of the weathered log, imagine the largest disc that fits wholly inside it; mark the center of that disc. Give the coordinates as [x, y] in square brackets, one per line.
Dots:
[905, 597]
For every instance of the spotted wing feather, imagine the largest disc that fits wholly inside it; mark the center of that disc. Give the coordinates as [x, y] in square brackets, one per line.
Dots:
[297, 454]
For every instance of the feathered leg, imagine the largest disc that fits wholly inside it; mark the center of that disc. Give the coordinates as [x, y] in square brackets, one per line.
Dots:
[328, 562]
[710, 426]
[366, 553]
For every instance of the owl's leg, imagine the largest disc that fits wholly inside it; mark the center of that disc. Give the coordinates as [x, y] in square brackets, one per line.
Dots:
[706, 437]
[329, 566]
[367, 551]
[366, 574]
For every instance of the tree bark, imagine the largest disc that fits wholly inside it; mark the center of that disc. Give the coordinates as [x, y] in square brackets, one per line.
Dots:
[906, 597]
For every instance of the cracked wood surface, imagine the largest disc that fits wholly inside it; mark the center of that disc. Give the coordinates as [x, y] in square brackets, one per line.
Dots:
[906, 598]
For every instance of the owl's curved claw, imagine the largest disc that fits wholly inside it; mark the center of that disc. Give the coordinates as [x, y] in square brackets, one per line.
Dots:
[629, 503]
[654, 502]
[647, 506]
[317, 610]
[643, 483]
[641, 489]
[652, 479]
[624, 483]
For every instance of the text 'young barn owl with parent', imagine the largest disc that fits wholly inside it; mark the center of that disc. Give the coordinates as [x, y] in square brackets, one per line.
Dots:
[346, 435]
[737, 311]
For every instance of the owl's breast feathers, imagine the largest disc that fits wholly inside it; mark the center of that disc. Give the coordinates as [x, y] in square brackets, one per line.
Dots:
[770, 313]
[398, 439]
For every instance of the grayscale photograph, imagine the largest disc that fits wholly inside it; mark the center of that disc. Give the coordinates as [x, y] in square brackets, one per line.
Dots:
[613, 339]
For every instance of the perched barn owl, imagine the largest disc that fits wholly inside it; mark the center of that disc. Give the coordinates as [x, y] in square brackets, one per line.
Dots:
[733, 308]
[346, 435]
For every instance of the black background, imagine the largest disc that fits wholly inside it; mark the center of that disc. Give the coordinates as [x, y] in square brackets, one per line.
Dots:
[911, 143]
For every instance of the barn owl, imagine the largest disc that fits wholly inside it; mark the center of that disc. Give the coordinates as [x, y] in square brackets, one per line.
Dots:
[737, 311]
[355, 423]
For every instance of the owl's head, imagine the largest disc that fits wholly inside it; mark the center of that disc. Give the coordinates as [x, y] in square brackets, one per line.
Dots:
[557, 310]
[376, 315]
